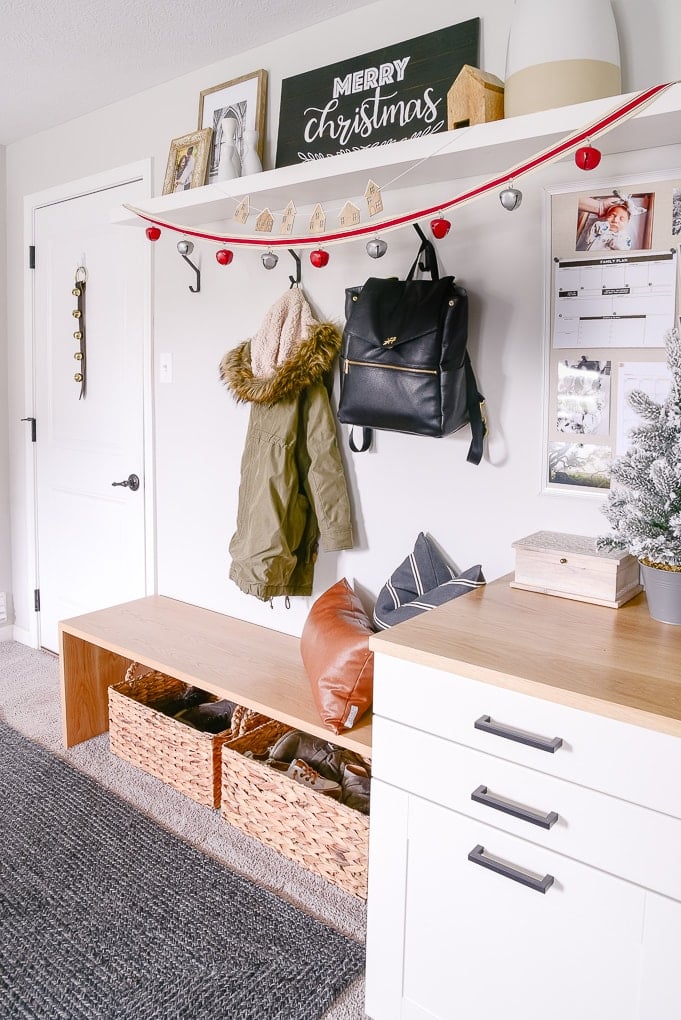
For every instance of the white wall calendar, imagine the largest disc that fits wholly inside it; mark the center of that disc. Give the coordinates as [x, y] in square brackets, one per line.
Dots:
[625, 301]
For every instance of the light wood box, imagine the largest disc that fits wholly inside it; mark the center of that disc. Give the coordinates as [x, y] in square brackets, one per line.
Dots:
[571, 567]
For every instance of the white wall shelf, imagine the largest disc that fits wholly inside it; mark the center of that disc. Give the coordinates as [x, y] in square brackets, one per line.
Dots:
[484, 150]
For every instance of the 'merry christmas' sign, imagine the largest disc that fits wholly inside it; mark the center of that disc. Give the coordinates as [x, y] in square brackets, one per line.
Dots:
[393, 93]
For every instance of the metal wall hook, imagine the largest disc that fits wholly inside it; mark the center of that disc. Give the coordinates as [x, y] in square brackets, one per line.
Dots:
[295, 282]
[429, 257]
[185, 248]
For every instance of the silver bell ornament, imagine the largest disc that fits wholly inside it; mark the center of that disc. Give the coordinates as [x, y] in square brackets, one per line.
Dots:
[511, 198]
[376, 248]
[185, 247]
[269, 259]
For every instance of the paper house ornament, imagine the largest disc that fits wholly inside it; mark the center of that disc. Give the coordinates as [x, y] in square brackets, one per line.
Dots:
[317, 220]
[349, 215]
[265, 222]
[288, 218]
[475, 98]
[242, 211]
[372, 193]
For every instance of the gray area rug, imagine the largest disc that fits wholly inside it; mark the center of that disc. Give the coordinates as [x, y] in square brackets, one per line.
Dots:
[105, 914]
[29, 702]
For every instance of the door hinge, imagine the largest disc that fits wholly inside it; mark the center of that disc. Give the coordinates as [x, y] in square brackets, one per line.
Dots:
[33, 428]
[36, 600]
[31, 256]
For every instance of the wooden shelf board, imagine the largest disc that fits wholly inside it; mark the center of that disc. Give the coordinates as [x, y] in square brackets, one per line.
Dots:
[615, 662]
[244, 662]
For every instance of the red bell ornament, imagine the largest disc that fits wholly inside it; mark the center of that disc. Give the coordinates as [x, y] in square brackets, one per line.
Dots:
[153, 233]
[440, 227]
[319, 258]
[224, 256]
[587, 158]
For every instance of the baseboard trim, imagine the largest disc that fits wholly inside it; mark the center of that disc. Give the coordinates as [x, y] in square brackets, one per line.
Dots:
[24, 637]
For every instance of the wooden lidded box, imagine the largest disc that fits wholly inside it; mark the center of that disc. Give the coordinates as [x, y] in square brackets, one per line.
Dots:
[572, 567]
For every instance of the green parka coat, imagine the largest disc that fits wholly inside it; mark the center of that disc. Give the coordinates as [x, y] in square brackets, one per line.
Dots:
[293, 489]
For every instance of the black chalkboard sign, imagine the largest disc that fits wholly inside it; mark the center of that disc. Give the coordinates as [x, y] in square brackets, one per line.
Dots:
[393, 93]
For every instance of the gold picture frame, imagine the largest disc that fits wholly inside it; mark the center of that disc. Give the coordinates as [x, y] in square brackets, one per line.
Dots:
[244, 99]
[187, 161]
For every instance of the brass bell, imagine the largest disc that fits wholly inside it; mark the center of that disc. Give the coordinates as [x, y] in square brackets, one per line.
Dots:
[78, 355]
[78, 335]
[78, 377]
[76, 292]
[76, 313]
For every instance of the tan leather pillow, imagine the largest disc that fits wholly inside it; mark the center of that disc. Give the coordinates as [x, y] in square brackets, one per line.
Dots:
[335, 650]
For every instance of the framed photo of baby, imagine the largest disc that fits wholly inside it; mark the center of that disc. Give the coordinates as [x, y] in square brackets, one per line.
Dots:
[187, 162]
[617, 221]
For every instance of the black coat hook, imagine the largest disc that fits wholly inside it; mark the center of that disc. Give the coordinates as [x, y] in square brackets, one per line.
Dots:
[185, 248]
[197, 288]
[295, 282]
[427, 247]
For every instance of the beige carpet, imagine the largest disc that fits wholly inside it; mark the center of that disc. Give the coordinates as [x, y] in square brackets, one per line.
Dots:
[29, 701]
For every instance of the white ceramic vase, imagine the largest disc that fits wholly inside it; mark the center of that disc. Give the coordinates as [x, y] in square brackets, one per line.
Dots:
[250, 161]
[560, 53]
[227, 166]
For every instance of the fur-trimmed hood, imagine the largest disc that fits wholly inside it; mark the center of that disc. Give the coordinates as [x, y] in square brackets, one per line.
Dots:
[307, 358]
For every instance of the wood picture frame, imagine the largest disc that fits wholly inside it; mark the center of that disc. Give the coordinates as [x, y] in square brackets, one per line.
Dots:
[244, 99]
[187, 161]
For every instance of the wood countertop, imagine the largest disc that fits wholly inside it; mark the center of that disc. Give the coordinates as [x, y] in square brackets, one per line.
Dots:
[618, 663]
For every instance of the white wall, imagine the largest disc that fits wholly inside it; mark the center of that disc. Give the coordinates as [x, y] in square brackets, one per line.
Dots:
[407, 484]
[5, 560]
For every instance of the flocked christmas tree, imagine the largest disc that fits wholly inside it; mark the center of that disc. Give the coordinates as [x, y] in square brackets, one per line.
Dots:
[644, 508]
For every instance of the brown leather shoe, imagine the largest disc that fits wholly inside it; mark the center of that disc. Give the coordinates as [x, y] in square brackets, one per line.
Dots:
[323, 756]
[355, 787]
[302, 773]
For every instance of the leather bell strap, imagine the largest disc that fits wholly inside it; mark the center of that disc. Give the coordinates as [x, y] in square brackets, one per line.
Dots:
[79, 335]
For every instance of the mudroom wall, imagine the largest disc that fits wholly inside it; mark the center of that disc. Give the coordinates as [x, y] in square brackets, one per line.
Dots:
[405, 484]
[5, 558]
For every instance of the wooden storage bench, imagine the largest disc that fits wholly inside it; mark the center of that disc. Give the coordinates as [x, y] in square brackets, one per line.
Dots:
[244, 662]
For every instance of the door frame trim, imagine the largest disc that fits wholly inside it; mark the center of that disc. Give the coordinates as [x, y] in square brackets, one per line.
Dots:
[141, 170]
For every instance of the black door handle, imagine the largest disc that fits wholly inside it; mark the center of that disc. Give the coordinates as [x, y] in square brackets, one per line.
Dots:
[131, 482]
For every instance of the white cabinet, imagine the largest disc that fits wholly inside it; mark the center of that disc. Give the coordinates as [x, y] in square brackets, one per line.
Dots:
[525, 856]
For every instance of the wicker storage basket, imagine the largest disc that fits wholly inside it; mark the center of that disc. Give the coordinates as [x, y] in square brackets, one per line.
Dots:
[319, 833]
[183, 757]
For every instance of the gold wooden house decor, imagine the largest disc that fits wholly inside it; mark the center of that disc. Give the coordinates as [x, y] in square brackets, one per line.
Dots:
[475, 98]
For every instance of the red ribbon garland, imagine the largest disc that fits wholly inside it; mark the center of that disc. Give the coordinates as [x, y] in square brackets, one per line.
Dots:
[597, 128]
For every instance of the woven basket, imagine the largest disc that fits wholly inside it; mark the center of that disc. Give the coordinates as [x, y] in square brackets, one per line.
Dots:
[319, 833]
[185, 758]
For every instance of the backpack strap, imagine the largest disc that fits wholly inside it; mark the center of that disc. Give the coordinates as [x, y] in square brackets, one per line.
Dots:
[475, 416]
[367, 437]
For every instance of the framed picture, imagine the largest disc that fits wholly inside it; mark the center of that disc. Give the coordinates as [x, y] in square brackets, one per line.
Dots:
[187, 161]
[242, 100]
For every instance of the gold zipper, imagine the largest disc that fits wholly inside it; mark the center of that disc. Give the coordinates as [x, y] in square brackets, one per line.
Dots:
[393, 368]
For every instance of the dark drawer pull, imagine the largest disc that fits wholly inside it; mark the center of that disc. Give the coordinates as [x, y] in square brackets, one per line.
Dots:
[538, 884]
[521, 736]
[481, 796]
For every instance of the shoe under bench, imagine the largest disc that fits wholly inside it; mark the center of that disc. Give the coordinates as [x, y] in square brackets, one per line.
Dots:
[244, 662]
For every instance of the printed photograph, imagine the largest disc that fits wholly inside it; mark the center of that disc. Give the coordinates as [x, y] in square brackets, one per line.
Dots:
[586, 465]
[618, 221]
[583, 397]
[676, 212]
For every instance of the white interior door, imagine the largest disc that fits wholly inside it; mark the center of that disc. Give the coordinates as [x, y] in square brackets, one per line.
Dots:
[90, 532]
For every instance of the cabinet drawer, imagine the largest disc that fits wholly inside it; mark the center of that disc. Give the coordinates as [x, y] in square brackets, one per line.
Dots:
[630, 762]
[618, 837]
[479, 944]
